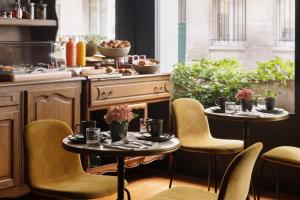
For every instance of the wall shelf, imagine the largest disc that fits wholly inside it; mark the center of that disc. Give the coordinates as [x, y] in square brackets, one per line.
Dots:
[27, 22]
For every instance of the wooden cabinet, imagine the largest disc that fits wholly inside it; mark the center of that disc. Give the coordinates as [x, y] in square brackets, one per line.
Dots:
[10, 147]
[60, 103]
[22, 103]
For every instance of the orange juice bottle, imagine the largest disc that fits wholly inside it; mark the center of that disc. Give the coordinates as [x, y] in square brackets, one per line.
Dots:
[71, 53]
[81, 51]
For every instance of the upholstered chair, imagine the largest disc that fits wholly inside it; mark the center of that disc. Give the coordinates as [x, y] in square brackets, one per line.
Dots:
[235, 183]
[192, 128]
[54, 172]
[283, 155]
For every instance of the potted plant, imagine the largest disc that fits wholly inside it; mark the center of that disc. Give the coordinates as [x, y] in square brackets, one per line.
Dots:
[118, 117]
[270, 99]
[245, 95]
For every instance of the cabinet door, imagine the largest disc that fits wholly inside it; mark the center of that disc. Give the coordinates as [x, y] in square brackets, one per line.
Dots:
[10, 147]
[60, 103]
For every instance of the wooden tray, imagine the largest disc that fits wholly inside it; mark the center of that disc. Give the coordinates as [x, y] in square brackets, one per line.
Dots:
[31, 77]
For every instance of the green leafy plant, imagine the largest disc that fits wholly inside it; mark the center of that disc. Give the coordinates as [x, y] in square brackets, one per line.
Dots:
[206, 79]
[270, 94]
[274, 73]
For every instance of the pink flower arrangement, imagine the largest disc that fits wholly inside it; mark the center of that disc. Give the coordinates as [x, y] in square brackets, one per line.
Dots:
[119, 114]
[245, 93]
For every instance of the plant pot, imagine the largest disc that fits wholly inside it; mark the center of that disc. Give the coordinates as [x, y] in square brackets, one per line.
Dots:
[246, 105]
[270, 103]
[118, 131]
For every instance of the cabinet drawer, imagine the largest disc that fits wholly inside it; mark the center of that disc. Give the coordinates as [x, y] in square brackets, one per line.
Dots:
[119, 93]
[9, 98]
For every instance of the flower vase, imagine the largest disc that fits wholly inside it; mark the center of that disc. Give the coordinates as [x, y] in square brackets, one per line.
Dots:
[246, 105]
[118, 131]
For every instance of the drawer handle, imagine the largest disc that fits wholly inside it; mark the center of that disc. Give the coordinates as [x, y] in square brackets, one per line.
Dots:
[103, 95]
[110, 95]
[156, 89]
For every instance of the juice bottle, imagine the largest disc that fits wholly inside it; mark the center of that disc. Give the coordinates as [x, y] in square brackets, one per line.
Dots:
[81, 51]
[71, 53]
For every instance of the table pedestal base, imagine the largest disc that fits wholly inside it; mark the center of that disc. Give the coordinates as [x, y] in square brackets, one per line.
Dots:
[121, 177]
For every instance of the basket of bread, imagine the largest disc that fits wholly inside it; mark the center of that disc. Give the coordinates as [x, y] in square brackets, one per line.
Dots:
[114, 48]
[146, 66]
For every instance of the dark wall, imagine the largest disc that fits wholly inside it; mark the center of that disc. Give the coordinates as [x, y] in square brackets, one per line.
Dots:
[135, 22]
[131, 25]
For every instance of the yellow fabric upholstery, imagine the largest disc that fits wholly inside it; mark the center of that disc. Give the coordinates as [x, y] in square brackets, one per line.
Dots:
[234, 186]
[286, 155]
[193, 130]
[182, 193]
[52, 171]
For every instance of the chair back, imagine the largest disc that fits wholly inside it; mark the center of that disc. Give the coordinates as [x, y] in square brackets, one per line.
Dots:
[236, 180]
[191, 124]
[45, 157]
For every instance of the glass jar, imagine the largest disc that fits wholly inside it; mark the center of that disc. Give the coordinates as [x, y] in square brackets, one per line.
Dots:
[41, 11]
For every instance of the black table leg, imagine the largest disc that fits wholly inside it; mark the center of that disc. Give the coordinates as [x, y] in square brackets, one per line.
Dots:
[121, 176]
[246, 133]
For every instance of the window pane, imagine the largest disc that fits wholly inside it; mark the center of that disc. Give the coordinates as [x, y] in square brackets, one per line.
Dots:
[86, 17]
[256, 35]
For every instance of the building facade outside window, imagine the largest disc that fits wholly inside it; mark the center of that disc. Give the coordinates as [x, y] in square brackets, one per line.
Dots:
[229, 21]
[285, 22]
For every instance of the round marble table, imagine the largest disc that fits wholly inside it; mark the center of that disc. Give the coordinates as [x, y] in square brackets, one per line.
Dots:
[168, 146]
[247, 117]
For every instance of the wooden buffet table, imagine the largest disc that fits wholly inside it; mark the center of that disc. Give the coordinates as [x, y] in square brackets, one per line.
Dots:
[161, 148]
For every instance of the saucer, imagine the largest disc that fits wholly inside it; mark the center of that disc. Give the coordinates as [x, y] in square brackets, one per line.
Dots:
[217, 110]
[162, 138]
[274, 111]
[78, 139]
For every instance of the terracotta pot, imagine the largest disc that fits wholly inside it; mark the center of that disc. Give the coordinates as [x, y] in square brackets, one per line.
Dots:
[118, 131]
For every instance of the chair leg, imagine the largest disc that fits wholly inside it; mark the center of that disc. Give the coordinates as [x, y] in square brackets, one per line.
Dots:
[216, 173]
[209, 174]
[127, 193]
[172, 167]
[277, 181]
[260, 183]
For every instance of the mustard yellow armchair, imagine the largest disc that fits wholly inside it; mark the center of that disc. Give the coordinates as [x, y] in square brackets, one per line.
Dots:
[192, 129]
[235, 183]
[282, 155]
[54, 172]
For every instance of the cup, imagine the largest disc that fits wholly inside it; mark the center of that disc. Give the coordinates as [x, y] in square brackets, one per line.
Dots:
[221, 102]
[83, 125]
[155, 127]
[229, 107]
[261, 103]
[143, 124]
[93, 137]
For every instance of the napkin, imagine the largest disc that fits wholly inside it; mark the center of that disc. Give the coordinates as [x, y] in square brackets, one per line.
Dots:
[130, 145]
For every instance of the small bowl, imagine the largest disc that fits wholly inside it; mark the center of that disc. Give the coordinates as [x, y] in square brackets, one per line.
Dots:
[146, 69]
[114, 52]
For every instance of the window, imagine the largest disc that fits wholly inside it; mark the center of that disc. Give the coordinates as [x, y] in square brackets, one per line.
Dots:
[229, 21]
[86, 17]
[285, 22]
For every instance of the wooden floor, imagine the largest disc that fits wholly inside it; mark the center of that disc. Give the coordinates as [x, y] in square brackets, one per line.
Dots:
[144, 183]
